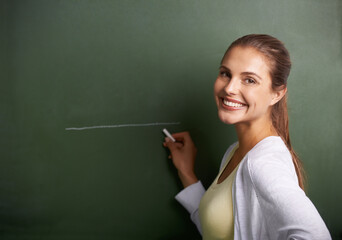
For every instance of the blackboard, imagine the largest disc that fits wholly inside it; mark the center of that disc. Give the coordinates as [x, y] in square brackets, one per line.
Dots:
[87, 87]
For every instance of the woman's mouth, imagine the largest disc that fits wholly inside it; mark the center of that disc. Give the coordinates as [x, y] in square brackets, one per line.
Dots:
[232, 104]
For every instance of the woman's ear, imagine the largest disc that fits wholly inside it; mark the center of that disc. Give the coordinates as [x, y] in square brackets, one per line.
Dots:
[278, 95]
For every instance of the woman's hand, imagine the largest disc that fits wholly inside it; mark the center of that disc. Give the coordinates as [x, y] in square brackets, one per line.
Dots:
[183, 154]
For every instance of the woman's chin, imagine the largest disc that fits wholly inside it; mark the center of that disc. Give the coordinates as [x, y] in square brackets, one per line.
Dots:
[227, 119]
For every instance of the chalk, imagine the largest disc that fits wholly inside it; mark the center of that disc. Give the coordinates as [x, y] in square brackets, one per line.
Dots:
[166, 132]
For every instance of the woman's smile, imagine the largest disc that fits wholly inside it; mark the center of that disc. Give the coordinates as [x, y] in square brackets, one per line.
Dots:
[232, 104]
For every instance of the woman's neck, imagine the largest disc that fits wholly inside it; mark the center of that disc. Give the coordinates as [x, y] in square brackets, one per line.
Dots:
[250, 134]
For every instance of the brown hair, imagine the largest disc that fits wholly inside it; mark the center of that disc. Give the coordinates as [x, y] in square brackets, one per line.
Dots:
[280, 66]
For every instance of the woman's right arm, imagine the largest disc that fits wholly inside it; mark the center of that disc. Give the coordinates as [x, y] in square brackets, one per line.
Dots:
[183, 154]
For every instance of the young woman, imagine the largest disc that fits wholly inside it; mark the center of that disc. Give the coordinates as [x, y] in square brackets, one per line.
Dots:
[258, 193]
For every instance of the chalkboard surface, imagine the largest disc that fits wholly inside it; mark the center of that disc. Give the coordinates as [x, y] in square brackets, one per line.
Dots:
[87, 87]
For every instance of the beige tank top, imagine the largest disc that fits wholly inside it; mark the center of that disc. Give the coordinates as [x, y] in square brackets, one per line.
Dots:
[216, 208]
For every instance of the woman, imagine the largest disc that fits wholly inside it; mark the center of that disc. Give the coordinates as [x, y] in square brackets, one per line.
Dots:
[258, 193]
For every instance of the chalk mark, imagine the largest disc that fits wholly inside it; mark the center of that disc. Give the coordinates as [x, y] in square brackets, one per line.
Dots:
[122, 125]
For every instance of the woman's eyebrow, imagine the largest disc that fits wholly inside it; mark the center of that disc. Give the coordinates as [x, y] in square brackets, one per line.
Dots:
[244, 73]
[251, 73]
[227, 69]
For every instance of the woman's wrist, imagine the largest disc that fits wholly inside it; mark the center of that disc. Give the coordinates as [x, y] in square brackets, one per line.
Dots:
[187, 179]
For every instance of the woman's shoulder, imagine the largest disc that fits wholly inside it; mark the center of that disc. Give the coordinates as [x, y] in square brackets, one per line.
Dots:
[272, 145]
[270, 150]
[270, 160]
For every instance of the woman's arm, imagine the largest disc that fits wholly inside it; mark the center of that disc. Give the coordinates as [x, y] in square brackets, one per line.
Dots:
[288, 212]
[183, 154]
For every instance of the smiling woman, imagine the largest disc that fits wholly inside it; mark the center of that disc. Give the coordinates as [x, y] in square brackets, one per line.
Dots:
[258, 193]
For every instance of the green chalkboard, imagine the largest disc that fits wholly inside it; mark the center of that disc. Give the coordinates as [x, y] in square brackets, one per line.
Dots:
[87, 87]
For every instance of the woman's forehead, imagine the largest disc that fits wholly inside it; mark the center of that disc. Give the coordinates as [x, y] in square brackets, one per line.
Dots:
[246, 59]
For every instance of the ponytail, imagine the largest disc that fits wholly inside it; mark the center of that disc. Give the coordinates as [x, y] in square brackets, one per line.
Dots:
[280, 121]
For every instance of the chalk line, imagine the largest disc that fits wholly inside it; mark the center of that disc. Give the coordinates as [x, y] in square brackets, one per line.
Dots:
[122, 125]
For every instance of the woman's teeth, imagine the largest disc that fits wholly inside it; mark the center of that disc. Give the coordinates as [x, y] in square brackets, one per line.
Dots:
[231, 104]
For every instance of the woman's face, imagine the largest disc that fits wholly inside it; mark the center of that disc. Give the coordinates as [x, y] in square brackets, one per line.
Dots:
[242, 90]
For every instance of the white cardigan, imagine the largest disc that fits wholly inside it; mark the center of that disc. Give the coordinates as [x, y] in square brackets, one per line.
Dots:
[267, 200]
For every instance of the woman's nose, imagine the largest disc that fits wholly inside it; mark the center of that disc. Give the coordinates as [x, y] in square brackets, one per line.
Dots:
[232, 86]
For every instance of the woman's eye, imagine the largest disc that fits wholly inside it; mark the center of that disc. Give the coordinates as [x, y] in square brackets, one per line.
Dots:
[249, 81]
[224, 74]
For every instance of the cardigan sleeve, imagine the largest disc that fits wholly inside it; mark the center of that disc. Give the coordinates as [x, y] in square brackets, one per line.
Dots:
[288, 212]
[190, 198]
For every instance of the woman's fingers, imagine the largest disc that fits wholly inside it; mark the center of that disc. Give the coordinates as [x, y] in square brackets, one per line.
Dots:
[181, 136]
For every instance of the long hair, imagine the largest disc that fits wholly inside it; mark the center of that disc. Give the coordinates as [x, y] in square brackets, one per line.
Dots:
[280, 65]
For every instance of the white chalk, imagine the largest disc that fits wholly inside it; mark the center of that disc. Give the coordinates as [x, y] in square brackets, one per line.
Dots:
[166, 132]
